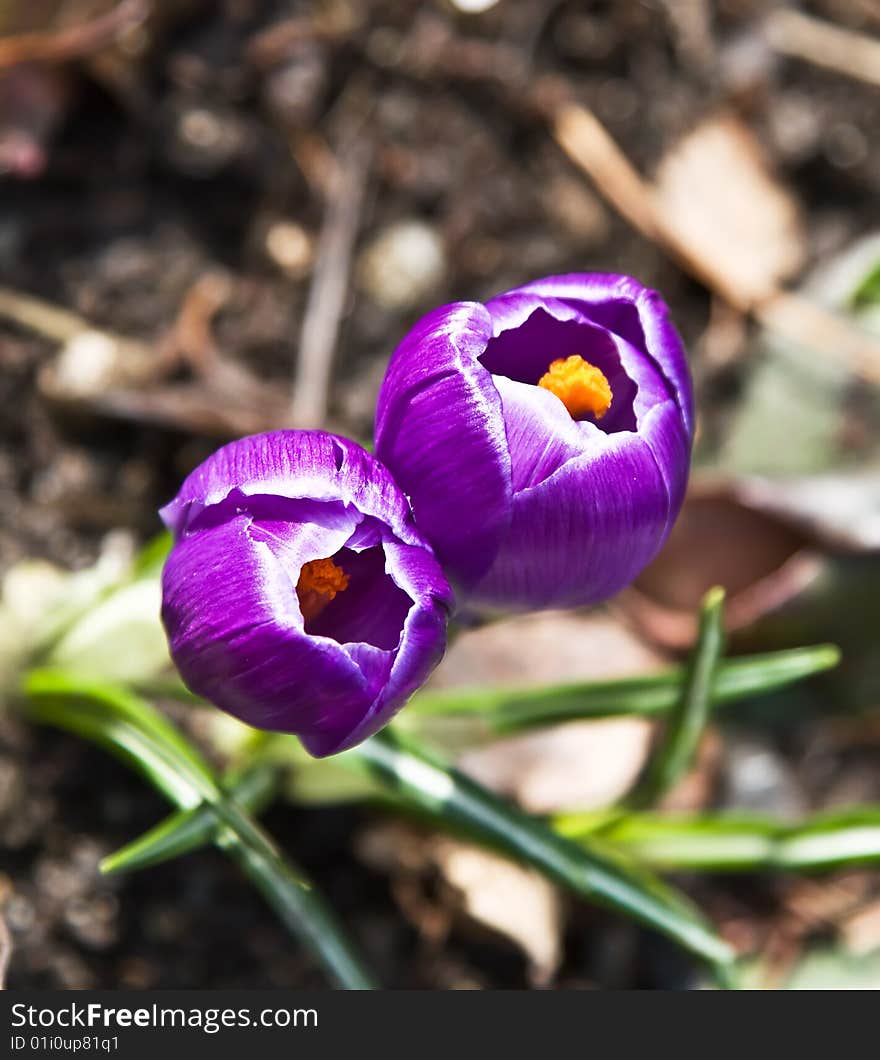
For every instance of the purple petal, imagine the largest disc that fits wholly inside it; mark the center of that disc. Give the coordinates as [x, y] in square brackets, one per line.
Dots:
[439, 427]
[643, 399]
[247, 521]
[235, 630]
[415, 572]
[546, 331]
[301, 531]
[618, 303]
[670, 446]
[528, 322]
[585, 532]
[309, 465]
[541, 435]
[372, 610]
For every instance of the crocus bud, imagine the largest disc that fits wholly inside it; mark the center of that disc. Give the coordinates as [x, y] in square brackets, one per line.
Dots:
[543, 438]
[299, 595]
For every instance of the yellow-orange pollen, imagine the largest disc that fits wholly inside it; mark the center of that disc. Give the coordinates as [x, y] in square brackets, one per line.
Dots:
[579, 385]
[319, 582]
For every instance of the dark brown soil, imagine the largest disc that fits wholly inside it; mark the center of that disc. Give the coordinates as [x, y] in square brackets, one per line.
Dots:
[181, 161]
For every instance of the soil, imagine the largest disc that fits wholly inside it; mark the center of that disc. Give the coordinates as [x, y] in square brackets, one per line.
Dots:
[183, 158]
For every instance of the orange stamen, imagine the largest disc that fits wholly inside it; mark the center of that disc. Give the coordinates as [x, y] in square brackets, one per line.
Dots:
[579, 385]
[319, 582]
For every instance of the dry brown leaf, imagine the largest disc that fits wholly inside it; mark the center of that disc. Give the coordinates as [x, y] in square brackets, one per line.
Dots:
[507, 898]
[579, 765]
[551, 647]
[584, 765]
[719, 214]
[715, 192]
[516, 902]
[774, 545]
[861, 931]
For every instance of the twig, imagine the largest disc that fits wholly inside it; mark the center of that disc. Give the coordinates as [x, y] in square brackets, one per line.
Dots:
[228, 403]
[589, 145]
[134, 359]
[195, 409]
[326, 302]
[71, 42]
[317, 163]
[190, 338]
[691, 20]
[52, 322]
[824, 44]
[809, 324]
[276, 42]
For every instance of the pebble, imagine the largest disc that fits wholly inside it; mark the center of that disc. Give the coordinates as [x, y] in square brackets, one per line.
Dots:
[290, 247]
[87, 364]
[205, 140]
[402, 265]
[474, 7]
[756, 778]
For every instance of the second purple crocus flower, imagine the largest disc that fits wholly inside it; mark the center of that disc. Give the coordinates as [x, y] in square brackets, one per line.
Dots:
[299, 595]
[543, 438]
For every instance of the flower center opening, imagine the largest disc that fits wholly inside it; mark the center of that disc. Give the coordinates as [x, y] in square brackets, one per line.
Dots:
[580, 386]
[320, 581]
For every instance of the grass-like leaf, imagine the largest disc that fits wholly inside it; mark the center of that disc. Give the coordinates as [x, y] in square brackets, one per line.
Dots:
[131, 728]
[187, 830]
[736, 843]
[491, 712]
[415, 779]
[688, 718]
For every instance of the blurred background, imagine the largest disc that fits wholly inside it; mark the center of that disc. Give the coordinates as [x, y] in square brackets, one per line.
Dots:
[219, 216]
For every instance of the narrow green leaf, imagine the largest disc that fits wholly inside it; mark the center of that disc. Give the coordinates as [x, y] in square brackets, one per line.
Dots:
[490, 712]
[131, 728]
[417, 780]
[831, 841]
[675, 755]
[867, 292]
[125, 714]
[188, 830]
[118, 722]
[737, 843]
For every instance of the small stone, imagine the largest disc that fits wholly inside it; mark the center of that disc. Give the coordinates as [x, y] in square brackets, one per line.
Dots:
[474, 7]
[290, 247]
[201, 128]
[756, 778]
[92, 920]
[402, 265]
[204, 140]
[87, 364]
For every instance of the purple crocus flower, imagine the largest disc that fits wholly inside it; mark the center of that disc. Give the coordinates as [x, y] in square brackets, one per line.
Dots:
[299, 595]
[543, 438]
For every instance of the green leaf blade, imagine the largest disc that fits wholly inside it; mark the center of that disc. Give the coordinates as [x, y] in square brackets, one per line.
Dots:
[131, 728]
[499, 711]
[188, 830]
[594, 871]
[719, 842]
[688, 719]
